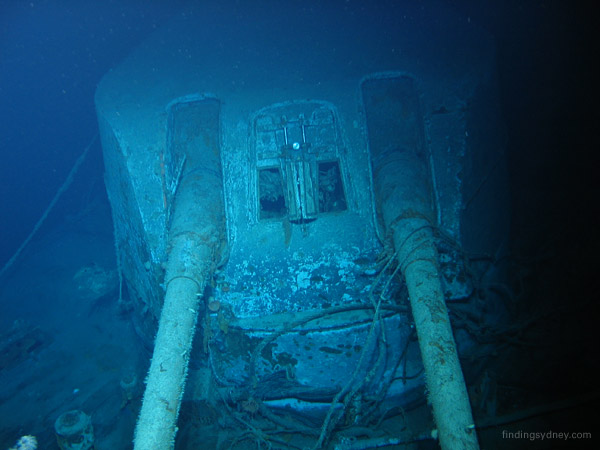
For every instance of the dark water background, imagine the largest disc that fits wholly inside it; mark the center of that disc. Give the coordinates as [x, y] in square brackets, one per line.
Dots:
[54, 53]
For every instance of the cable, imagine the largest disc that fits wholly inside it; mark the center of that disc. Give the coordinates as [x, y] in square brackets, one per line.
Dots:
[57, 196]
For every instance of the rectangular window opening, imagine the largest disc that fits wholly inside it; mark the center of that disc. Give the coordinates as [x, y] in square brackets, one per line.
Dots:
[331, 188]
[270, 191]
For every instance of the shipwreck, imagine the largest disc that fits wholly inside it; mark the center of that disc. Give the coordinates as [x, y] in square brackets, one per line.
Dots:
[293, 202]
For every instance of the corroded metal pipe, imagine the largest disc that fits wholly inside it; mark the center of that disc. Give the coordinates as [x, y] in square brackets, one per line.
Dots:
[196, 240]
[402, 183]
[402, 188]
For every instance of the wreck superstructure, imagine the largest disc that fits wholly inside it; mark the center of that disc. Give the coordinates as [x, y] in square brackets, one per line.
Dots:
[271, 149]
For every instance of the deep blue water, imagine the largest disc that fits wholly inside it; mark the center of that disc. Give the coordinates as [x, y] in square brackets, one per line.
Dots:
[54, 53]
